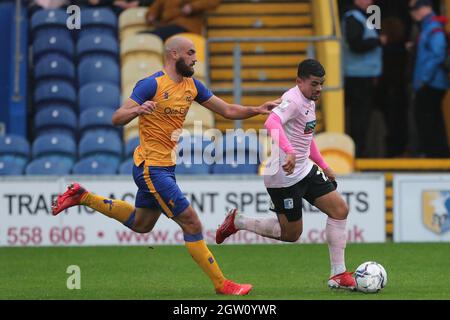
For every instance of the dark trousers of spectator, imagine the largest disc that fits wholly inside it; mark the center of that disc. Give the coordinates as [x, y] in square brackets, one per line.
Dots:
[359, 96]
[167, 31]
[430, 125]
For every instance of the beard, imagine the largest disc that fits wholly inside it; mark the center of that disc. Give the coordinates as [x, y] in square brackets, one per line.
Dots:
[183, 69]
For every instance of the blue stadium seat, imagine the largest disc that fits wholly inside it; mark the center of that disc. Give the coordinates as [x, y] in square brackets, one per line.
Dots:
[235, 169]
[97, 119]
[131, 146]
[101, 143]
[97, 69]
[54, 144]
[241, 147]
[193, 169]
[126, 167]
[97, 44]
[54, 92]
[98, 21]
[191, 148]
[54, 66]
[10, 167]
[51, 165]
[99, 95]
[14, 145]
[55, 119]
[96, 165]
[53, 42]
[53, 20]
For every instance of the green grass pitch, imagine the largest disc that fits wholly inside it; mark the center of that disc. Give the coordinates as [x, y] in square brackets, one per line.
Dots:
[278, 272]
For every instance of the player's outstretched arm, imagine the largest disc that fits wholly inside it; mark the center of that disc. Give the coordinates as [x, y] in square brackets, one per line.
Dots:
[130, 110]
[236, 111]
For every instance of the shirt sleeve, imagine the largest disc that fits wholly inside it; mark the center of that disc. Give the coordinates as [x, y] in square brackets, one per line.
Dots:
[144, 90]
[286, 110]
[203, 93]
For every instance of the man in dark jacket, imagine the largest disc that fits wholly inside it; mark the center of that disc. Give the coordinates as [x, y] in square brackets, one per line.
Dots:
[431, 80]
[362, 67]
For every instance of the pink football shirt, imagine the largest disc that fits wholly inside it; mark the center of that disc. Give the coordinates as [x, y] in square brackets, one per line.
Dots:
[298, 116]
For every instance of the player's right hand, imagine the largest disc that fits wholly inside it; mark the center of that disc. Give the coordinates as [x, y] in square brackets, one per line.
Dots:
[146, 108]
[289, 164]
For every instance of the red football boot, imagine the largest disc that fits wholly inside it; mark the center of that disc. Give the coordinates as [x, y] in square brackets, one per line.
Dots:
[234, 289]
[68, 199]
[343, 280]
[227, 228]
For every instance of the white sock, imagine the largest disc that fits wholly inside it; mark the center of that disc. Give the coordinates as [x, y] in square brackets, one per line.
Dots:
[337, 240]
[267, 227]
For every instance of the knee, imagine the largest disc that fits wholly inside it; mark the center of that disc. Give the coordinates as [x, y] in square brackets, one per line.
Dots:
[341, 211]
[142, 229]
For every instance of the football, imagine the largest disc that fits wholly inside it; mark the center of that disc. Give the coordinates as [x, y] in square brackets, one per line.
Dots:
[370, 277]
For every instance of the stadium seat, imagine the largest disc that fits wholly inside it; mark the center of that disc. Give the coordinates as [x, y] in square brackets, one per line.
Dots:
[14, 145]
[200, 115]
[101, 143]
[96, 165]
[98, 69]
[97, 119]
[10, 167]
[54, 20]
[126, 167]
[241, 146]
[135, 70]
[131, 21]
[97, 44]
[195, 149]
[54, 92]
[54, 144]
[99, 95]
[131, 146]
[51, 165]
[53, 42]
[127, 90]
[98, 21]
[194, 169]
[14, 149]
[55, 119]
[199, 43]
[338, 150]
[235, 169]
[54, 66]
[140, 45]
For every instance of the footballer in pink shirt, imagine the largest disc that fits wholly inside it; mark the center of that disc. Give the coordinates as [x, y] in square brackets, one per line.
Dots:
[297, 170]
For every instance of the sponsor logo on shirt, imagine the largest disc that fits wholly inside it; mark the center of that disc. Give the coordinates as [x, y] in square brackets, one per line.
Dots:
[309, 127]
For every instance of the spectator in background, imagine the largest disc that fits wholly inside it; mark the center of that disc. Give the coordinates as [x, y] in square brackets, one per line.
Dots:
[362, 67]
[170, 17]
[392, 93]
[431, 80]
[117, 5]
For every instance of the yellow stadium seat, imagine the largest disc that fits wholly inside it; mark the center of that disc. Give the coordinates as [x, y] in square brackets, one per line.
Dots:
[132, 17]
[200, 70]
[133, 30]
[338, 150]
[141, 43]
[196, 113]
[131, 129]
[199, 43]
[137, 69]
[126, 91]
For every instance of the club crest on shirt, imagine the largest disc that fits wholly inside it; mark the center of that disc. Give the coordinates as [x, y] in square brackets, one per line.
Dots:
[309, 127]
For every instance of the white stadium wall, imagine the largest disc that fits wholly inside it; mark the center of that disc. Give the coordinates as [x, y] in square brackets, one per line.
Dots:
[26, 219]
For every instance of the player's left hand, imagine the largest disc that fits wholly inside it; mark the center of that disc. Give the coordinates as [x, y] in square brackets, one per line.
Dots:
[330, 174]
[268, 106]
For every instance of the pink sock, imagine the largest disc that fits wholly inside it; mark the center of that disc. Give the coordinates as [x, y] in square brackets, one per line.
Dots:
[267, 227]
[337, 239]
